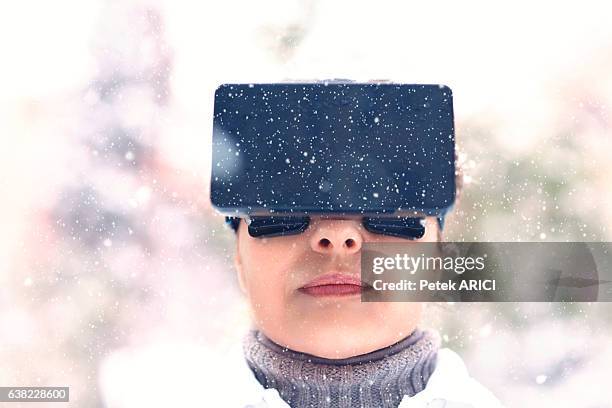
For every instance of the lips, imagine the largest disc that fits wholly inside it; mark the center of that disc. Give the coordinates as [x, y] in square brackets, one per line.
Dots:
[334, 284]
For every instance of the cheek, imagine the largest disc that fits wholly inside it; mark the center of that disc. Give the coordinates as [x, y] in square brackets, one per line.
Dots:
[267, 269]
[431, 231]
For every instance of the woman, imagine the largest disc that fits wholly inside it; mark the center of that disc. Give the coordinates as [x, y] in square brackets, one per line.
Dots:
[314, 343]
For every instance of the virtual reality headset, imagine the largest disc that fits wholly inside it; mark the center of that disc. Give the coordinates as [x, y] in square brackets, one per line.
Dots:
[282, 152]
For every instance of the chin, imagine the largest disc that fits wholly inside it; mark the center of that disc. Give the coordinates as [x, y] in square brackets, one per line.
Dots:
[343, 350]
[343, 332]
[338, 342]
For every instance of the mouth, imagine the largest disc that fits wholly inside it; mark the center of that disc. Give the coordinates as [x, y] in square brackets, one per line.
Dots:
[335, 284]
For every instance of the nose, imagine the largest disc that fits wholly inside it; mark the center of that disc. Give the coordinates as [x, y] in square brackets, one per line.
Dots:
[336, 237]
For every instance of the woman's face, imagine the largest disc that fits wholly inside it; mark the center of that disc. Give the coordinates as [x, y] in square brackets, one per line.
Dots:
[328, 322]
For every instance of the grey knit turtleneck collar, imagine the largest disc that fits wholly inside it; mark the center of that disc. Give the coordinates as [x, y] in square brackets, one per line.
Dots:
[377, 379]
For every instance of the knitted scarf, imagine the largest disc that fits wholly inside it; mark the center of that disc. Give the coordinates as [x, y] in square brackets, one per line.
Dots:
[377, 379]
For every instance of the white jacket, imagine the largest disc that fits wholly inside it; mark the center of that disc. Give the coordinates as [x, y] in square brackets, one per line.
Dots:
[449, 386]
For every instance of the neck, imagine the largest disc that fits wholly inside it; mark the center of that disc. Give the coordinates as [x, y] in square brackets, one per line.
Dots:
[380, 378]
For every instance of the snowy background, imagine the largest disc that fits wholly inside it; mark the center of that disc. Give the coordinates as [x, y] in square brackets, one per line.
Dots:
[115, 274]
